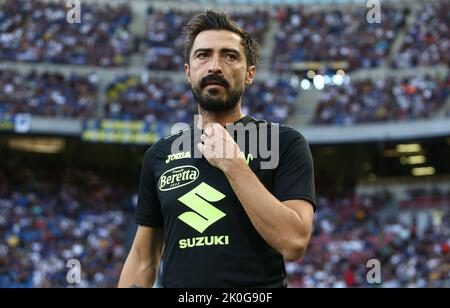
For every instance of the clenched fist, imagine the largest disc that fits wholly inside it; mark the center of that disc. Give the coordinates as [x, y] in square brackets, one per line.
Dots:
[219, 148]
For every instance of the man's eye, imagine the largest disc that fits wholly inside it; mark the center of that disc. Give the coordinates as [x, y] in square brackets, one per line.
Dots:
[202, 55]
[231, 56]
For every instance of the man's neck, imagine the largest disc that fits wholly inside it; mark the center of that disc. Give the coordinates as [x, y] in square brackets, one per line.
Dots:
[221, 118]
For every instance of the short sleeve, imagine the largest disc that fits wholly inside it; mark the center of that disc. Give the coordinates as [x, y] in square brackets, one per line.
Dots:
[294, 176]
[148, 211]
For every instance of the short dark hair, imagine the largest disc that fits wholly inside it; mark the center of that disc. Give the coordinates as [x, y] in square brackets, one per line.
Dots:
[212, 20]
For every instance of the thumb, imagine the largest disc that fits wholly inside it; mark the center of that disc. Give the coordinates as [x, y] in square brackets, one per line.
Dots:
[199, 121]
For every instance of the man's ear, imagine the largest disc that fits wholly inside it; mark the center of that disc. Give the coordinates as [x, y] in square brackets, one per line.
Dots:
[251, 72]
[187, 71]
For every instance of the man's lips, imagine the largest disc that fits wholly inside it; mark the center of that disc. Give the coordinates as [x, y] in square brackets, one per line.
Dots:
[215, 84]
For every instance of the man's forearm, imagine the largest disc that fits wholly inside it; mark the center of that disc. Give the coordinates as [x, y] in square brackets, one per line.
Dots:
[137, 275]
[278, 224]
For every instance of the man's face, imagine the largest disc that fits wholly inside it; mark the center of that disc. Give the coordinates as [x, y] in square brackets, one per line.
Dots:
[218, 70]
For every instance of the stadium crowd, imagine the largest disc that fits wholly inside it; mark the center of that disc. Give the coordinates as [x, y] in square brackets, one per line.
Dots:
[48, 94]
[38, 31]
[384, 99]
[149, 98]
[428, 40]
[48, 218]
[347, 234]
[334, 36]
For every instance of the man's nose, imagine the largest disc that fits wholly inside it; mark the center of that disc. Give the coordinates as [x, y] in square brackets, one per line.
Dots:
[215, 66]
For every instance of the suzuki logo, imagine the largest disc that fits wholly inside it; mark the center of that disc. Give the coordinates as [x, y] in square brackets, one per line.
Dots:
[204, 214]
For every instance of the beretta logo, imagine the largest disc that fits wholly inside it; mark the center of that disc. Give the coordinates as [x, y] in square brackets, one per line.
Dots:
[178, 177]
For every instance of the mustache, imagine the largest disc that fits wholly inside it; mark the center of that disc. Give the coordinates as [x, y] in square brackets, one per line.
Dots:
[214, 79]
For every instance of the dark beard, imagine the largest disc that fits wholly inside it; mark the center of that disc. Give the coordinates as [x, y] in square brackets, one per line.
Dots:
[210, 103]
[213, 104]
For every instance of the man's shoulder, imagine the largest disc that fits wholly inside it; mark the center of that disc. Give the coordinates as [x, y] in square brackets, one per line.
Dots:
[169, 139]
[163, 147]
[286, 133]
[289, 137]
[184, 132]
[289, 133]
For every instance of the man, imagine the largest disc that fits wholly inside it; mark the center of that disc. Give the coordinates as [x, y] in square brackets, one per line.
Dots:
[223, 221]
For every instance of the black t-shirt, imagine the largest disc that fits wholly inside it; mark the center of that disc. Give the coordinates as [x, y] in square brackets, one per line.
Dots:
[209, 239]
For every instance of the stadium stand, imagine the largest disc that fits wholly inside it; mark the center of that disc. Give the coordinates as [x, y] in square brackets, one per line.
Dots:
[48, 94]
[48, 217]
[37, 31]
[327, 36]
[427, 41]
[389, 99]
[340, 248]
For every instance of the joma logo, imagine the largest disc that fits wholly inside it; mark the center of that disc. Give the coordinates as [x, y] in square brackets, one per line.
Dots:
[181, 155]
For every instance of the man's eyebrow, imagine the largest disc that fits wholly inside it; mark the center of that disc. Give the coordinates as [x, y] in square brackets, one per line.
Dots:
[202, 50]
[230, 50]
